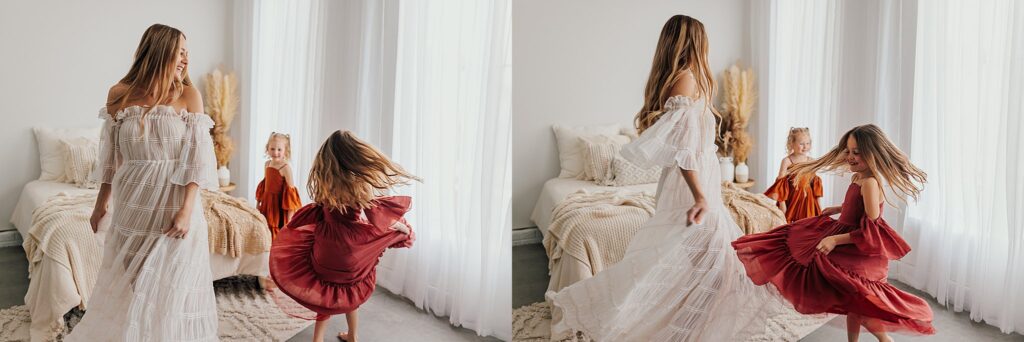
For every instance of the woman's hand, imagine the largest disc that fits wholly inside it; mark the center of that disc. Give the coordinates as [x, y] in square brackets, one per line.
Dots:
[827, 244]
[97, 215]
[696, 213]
[831, 211]
[179, 225]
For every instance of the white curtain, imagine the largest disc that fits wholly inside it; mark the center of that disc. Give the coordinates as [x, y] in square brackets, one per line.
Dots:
[967, 230]
[283, 92]
[798, 64]
[452, 127]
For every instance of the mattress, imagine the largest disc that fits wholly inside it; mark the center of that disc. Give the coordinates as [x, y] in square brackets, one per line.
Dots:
[555, 190]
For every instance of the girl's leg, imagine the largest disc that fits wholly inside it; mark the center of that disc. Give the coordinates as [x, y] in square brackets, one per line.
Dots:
[875, 328]
[352, 321]
[319, 328]
[852, 327]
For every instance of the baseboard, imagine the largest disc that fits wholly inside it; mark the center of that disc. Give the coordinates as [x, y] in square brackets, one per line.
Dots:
[526, 236]
[10, 238]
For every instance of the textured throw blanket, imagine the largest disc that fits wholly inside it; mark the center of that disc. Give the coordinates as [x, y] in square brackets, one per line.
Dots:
[235, 227]
[590, 231]
[754, 213]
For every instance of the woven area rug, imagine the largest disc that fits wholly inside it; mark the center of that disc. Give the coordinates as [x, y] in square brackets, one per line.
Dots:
[532, 323]
[247, 313]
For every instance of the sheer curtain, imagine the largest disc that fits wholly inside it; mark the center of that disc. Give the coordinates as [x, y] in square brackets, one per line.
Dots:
[452, 127]
[283, 54]
[968, 228]
[798, 63]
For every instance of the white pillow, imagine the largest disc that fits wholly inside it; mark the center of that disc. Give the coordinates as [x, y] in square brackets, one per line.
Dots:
[598, 152]
[51, 155]
[570, 153]
[629, 131]
[80, 156]
[626, 173]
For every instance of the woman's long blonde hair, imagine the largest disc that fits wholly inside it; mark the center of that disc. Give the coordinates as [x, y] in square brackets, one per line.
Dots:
[882, 157]
[348, 173]
[683, 47]
[152, 71]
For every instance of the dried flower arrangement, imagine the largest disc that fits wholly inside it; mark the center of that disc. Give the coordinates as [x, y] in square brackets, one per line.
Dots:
[222, 106]
[738, 105]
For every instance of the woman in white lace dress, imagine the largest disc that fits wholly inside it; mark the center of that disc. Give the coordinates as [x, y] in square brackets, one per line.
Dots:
[680, 279]
[156, 152]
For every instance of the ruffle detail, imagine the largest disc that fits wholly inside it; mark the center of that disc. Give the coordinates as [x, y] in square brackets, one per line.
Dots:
[290, 199]
[675, 139]
[325, 261]
[779, 190]
[876, 238]
[109, 158]
[197, 163]
[815, 284]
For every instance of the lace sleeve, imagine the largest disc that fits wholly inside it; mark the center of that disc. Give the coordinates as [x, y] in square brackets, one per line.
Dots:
[197, 162]
[109, 158]
[674, 140]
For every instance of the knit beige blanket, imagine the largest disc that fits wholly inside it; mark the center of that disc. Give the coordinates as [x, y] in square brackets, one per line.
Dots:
[754, 213]
[590, 231]
[61, 232]
[235, 226]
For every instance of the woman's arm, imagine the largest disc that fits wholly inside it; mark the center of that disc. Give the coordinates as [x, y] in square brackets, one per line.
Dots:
[696, 213]
[100, 208]
[180, 222]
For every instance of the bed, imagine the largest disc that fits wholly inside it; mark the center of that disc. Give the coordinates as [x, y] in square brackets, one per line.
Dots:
[557, 189]
[55, 288]
[586, 227]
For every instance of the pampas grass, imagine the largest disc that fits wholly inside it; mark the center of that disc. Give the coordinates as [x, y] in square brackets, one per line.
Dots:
[222, 106]
[738, 105]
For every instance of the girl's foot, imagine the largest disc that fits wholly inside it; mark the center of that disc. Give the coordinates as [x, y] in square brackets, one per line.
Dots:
[345, 337]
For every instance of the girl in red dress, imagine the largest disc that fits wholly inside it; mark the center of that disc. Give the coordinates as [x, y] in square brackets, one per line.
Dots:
[839, 266]
[325, 259]
[797, 201]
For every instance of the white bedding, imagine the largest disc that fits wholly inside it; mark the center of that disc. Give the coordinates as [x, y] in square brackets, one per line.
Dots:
[37, 192]
[557, 189]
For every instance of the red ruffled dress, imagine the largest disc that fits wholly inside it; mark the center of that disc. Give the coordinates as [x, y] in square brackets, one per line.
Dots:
[326, 261]
[850, 279]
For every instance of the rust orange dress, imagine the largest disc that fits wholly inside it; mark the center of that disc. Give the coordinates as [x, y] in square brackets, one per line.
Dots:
[274, 199]
[801, 201]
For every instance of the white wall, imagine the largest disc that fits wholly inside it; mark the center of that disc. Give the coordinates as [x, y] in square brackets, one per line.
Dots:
[60, 58]
[581, 62]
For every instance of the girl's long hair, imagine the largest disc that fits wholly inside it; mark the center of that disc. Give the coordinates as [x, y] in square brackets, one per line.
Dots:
[152, 71]
[683, 47]
[347, 173]
[882, 157]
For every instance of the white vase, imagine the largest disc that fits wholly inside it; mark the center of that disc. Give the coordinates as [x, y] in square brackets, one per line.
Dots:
[742, 173]
[224, 176]
[727, 168]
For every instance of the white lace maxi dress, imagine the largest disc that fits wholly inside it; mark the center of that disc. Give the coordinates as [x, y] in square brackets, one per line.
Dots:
[152, 287]
[675, 282]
